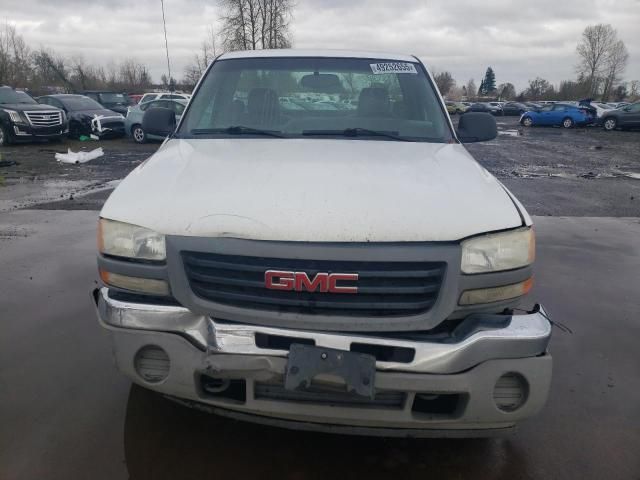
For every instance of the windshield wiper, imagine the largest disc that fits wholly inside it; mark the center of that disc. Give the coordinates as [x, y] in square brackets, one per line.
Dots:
[238, 130]
[358, 132]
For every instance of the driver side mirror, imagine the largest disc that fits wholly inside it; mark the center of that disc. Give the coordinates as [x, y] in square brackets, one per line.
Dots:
[159, 121]
[477, 127]
[627, 109]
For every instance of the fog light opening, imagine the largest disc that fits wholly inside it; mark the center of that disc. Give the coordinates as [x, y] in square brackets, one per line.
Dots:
[511, 392]
[152, 364]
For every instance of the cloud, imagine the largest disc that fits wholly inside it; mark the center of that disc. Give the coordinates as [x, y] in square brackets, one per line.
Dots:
[520, 40]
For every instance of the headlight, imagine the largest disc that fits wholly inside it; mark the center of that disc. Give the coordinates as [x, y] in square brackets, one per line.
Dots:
[126, 240]
[15, 116]
[498, 251]
[135, 284]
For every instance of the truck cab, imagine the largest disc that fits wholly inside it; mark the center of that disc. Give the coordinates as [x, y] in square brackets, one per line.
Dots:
[336, 269]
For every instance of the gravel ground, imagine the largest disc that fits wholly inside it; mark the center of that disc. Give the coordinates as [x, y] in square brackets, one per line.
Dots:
[577, 172]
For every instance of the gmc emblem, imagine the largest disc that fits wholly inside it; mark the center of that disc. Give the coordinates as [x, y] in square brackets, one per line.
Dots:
[300, 281]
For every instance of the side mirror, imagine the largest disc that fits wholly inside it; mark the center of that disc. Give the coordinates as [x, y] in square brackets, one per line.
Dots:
[627, 109]
[159, 121]
[477, 127]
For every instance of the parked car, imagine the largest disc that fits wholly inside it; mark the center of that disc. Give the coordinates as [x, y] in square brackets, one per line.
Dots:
[558, 114]
[147, 97]
[115, 101]
[244, 269]
[23, 119]
[514, 108]
[625, 117]
[135, 98]
[485, 107]
[598, 109]
[133, 121]
[455, 107]
[86, 116]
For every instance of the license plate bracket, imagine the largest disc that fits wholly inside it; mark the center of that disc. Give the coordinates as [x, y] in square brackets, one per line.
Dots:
[306, 362]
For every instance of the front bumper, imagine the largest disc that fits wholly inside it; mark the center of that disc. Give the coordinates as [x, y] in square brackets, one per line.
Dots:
[462, 370]
[26, 132]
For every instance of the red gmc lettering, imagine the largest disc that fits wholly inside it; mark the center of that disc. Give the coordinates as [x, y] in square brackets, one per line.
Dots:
[300, 281]
[335, 277]
[279, 280]
[303, 282]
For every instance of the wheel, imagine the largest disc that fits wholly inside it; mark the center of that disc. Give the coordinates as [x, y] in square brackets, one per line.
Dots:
[527, 121]
[5, 139]
[138, 134]
[610, 124]
[567, 123]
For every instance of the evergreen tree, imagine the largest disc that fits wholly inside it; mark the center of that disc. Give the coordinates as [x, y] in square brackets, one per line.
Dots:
[489, 82]
[481, 90]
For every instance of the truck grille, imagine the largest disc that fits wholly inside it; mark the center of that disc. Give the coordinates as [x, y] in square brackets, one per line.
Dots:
[384, 288]
[44, 118]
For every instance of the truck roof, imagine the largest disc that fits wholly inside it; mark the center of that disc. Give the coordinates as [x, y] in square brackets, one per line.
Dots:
[286, 52]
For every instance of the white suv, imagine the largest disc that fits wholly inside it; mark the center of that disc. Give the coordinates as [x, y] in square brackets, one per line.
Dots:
[343, 269]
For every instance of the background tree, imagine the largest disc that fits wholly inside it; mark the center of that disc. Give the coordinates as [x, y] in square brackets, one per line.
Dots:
[506, 91]
[539, 89]
[614, 66]
[255, 24]
[594, 50]
[471, 89]
[444, 82]
[208, 51]
[488, 85]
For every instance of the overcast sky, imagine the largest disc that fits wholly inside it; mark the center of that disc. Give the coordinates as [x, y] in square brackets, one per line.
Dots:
[520, 40]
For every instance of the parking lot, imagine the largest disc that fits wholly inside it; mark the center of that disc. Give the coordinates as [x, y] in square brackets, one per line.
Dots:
[78, 418]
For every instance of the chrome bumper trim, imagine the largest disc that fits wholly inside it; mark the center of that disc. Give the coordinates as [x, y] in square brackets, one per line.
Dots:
[525, 336]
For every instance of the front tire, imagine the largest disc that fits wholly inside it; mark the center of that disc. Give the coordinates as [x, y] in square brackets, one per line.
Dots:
[138, 134]
[527, 121]
[568, 123]
[610, 124]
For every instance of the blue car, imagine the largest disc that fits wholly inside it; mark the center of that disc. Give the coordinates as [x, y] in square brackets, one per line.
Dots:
[558, 114]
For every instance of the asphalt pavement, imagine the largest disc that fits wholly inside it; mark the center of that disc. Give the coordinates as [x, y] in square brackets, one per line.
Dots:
[66, 413]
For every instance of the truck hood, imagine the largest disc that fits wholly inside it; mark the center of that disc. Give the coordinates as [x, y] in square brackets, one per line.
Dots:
[322, 190]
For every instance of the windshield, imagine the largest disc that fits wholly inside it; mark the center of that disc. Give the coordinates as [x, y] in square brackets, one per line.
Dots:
[115, 98]
[79, 103]
[329, 97]
[8, 96]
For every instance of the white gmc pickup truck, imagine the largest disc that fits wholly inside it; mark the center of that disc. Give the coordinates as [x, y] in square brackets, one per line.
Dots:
[313, 247]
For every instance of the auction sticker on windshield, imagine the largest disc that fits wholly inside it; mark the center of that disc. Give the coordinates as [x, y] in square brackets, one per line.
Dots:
[392, 67]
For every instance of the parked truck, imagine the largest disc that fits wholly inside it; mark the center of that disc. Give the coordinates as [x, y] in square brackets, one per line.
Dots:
[344, 270]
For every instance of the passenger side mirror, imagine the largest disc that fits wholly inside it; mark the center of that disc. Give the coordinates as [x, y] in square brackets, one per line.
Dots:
[159, 121]
[627, 109]
[477, 127]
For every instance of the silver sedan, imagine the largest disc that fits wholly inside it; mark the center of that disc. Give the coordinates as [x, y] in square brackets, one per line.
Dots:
[133, 122]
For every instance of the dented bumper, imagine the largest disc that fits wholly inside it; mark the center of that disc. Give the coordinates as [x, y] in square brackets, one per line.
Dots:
[424, 385]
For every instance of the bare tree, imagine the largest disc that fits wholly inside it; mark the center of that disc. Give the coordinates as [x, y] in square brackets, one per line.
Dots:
[444, 82]
[539, 89]
[471, 89]
[208, 51]
[255, 24]
[594, 50]
[506, 91]
[614, 66]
